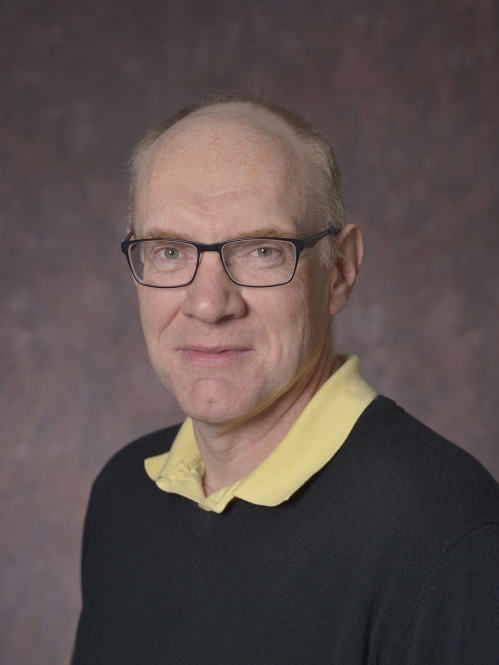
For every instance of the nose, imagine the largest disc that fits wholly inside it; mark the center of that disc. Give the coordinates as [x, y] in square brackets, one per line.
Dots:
[212, 296]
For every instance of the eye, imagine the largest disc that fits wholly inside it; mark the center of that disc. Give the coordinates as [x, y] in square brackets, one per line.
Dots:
[171, 253]
[264, 252]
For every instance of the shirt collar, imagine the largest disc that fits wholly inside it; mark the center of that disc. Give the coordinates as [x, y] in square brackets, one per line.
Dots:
[315, 437]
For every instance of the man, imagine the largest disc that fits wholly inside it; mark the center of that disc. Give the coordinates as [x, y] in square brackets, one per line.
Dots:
[295, 517]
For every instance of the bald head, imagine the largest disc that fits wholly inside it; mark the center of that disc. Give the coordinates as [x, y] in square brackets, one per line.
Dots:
[219, 157]
[236, 139]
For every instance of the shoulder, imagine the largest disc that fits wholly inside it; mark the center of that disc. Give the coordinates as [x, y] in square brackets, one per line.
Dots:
[126, 467]
[409, 468]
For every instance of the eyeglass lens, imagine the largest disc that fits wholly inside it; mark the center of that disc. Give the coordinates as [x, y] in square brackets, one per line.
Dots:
[257, 262]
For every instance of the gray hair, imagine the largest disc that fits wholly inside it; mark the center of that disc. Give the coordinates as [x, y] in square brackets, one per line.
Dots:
[325, 180]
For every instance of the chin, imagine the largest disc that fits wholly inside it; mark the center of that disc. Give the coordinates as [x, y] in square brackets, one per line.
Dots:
[216, 402]
[214, 414]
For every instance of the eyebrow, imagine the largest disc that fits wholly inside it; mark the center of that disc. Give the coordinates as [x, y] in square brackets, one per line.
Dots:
[168, 234]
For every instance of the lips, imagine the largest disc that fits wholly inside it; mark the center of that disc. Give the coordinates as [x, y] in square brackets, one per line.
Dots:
[213, 355]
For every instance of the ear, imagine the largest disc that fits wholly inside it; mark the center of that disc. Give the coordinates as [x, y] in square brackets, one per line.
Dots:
[346, 269]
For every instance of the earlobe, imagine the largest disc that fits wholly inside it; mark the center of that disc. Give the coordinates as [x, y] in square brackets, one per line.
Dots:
[344, 274]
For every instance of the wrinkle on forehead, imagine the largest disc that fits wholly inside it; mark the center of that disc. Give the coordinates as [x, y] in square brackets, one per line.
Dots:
[208, 203]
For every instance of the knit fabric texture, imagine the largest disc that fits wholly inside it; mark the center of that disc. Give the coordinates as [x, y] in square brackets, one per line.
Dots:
[389, 555]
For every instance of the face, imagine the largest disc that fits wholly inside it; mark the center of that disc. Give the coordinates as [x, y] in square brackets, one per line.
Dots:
[228, 352]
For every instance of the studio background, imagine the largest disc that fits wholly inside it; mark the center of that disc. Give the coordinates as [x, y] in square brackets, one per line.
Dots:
[408, 92]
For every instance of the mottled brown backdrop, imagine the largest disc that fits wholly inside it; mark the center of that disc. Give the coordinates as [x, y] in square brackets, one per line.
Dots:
[407, 91]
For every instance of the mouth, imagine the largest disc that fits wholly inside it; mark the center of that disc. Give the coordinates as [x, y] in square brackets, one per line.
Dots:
[214, 355]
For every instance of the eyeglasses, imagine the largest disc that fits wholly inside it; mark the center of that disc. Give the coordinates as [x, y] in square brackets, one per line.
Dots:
[257, 262]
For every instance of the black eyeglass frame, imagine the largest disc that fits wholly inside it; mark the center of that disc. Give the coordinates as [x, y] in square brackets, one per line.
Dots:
[299, 244]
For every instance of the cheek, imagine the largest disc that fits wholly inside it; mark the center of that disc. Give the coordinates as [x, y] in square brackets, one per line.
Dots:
[307, 318]
[288, 321]
[158, 307]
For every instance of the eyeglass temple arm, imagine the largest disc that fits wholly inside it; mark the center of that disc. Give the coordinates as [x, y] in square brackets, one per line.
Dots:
[313, 240]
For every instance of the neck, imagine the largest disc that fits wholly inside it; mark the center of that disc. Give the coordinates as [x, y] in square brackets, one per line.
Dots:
[230, 454]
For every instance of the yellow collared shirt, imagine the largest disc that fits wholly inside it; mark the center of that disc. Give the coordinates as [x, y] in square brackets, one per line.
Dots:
[315, 437]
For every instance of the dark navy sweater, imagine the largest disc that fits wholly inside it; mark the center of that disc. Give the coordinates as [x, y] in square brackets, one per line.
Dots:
[389, 555]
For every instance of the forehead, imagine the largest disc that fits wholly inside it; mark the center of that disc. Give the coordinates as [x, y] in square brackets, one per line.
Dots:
[220, 160]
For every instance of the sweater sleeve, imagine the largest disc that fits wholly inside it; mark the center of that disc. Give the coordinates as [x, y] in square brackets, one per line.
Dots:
[84, 635]
[455, 619]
